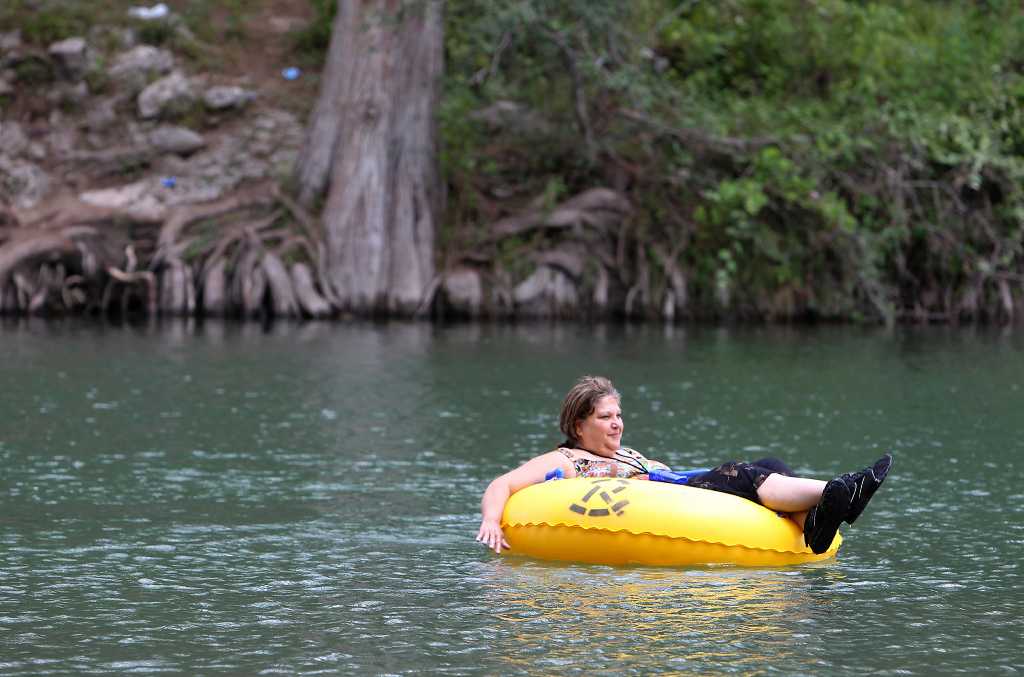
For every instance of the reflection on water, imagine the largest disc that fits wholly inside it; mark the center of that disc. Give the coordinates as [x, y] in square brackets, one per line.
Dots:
[606, 618]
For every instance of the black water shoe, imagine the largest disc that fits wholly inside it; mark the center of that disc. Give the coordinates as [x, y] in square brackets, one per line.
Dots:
[862, 486]
[823, 520]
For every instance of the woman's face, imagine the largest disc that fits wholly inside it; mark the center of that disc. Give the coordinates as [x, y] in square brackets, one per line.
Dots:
[601, 432]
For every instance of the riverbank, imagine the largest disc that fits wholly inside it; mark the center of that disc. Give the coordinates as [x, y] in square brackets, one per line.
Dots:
[618, 163]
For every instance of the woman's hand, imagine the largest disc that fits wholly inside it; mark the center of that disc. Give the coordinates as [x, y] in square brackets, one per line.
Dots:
[491, 535]
[492, 506]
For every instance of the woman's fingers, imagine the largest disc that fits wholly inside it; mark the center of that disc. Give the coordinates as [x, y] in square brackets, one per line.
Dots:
[492, 537]
[495, 539]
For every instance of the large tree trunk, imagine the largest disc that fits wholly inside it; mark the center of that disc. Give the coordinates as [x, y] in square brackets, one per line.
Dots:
[377, 114]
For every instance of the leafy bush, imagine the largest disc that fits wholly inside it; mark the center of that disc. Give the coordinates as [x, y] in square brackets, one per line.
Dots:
[836, 158]
[314, 39]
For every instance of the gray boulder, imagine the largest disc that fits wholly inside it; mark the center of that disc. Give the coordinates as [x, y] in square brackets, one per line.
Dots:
[140, 200]
[134, 69]
[62, 138]
[71, 56]
[23, 183]
[13, 140]
[37, 151]
[169, 95]
[101, 115]
[225, 97]
[179, 140]
[67, 94]
[10, 42]
[208, 174]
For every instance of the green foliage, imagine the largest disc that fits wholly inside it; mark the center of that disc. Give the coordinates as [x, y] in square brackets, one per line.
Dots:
[313, 40]
[48, 26]
[98, 80]
[43, 22]
[157, 33]
[814, 158]
[216, 20]
[33, 71]
[837, 158]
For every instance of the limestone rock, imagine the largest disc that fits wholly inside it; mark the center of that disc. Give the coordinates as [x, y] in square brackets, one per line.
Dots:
[224, 97]
[23, 183]
[180, 140]
[13, 140]
[136, 199]
[149, 199]
[211, 171]
[101, 115]
[10, 42]
[265, 147]
[71, 56]
[167, 96]
[37, 151]
[69, 95]
[61, 141]
[286, 24]
[108, 162]
[133, 69]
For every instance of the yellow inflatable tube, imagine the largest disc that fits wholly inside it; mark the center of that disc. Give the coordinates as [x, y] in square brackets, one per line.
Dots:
[617, 521]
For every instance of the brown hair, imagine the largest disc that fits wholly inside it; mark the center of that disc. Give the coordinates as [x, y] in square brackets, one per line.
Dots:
[579, 403]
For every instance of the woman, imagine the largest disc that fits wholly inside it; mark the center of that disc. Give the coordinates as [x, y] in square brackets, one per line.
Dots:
[591, 420]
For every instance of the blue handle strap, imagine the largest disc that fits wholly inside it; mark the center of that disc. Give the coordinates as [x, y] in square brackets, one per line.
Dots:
[555, 474]
[674, 477]
[669, 476]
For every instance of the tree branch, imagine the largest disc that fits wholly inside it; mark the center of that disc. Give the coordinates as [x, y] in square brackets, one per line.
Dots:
[597, 207]
[698, 138]
[578, 92]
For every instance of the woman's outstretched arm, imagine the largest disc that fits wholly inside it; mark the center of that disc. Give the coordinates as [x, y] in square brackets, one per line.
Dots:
[493, 504]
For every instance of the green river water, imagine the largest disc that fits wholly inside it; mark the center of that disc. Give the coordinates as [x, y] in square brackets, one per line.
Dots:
[228, 499]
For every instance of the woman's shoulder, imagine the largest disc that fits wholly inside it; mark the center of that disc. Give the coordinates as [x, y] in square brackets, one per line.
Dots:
[648, 463]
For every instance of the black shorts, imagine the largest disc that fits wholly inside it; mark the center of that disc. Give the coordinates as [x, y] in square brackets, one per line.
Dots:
[740, 479]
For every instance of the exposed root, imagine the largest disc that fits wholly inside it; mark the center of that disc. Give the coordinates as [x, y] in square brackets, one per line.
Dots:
[132, 279]
[279, 282]
[218, 258]
[311, 302]
[598, 208]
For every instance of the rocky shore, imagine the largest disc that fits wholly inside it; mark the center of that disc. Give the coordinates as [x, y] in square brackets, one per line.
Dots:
[119, 167]
[134, 181]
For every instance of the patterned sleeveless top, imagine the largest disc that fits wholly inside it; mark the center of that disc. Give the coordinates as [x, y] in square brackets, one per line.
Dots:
[627, 463]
